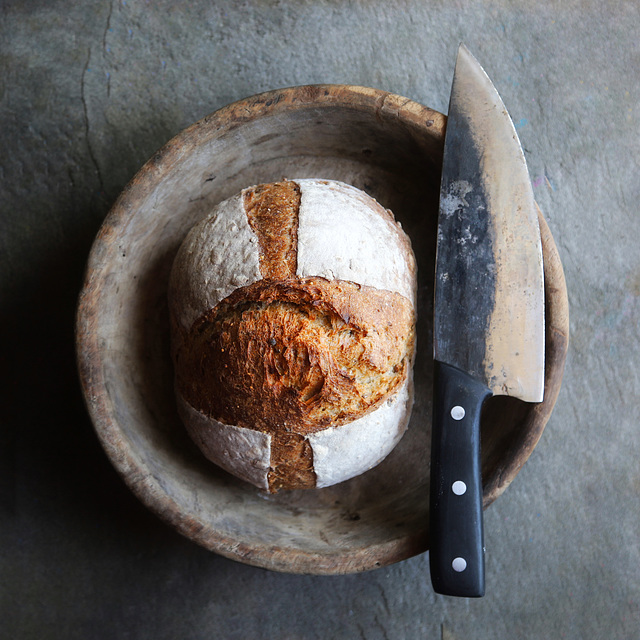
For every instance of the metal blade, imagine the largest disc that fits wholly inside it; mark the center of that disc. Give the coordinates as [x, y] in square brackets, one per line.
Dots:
[489, 291]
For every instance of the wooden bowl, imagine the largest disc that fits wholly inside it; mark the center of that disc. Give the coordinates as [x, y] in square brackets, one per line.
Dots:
[386, 145]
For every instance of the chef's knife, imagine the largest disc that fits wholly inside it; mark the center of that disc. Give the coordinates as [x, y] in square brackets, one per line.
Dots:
[488, 315]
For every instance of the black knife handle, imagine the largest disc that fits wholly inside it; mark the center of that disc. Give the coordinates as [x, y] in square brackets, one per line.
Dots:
[456, 548]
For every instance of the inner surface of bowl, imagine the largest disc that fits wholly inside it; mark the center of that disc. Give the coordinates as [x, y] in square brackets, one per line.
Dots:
[384, 144]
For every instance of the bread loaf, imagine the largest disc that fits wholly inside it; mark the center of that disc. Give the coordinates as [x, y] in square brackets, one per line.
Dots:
[293, 333]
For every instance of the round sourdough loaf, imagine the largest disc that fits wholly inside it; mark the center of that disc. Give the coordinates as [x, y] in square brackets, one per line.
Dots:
[293, 333]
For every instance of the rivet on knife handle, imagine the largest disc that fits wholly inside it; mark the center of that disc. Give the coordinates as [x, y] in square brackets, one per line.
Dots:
[457, 547]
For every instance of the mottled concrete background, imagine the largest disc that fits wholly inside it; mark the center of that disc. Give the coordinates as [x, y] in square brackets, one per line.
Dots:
[89, 90]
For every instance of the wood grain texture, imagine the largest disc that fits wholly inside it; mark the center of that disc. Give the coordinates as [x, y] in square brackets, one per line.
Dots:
[384, 144]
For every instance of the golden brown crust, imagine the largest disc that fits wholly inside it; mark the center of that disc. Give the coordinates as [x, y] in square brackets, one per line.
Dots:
[272, 213]
[297, 355]
[291, 463]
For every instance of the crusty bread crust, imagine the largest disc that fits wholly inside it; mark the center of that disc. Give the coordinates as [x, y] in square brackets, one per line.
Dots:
[298, 354]
[272, 212]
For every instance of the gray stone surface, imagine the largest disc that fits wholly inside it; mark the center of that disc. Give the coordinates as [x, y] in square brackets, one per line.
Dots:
[89, 90]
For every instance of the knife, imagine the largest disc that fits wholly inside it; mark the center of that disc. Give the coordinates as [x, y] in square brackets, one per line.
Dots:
[488, 313]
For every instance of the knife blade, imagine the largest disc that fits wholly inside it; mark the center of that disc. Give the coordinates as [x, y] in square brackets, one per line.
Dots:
[488, 313]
